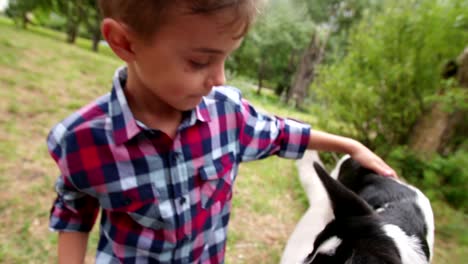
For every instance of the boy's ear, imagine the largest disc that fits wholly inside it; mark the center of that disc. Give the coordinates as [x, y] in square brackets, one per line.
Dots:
[118, 38]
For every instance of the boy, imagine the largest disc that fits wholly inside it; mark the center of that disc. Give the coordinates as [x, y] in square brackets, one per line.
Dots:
[159, 154]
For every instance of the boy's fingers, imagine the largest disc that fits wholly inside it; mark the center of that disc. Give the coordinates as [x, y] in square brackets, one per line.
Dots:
[383, 169]
[388, 172]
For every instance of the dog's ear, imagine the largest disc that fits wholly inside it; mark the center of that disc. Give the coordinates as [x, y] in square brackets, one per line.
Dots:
[352, 174]
[345, 203]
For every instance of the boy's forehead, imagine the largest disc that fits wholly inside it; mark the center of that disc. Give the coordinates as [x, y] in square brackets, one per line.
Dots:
[183, 30]
[222, 21]
[215, 49]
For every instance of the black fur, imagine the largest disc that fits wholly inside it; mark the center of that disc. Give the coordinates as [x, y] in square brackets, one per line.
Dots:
[396, 199]
[354, 198]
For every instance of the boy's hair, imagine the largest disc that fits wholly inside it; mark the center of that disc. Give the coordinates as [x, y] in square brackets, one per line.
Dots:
[145, 16]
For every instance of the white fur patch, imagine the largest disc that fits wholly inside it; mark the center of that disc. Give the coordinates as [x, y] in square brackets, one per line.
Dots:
[328, 247]
[336, 171]
[425, 205]
[380, 210]
[409, 247]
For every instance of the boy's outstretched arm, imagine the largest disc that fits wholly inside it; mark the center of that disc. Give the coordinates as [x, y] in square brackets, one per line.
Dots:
[72, 247]
[323, 141]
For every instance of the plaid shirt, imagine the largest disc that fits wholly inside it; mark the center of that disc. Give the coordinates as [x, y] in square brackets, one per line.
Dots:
[163, 200]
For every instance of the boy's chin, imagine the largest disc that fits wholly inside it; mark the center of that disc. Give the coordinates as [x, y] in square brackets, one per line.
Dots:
[189, 105]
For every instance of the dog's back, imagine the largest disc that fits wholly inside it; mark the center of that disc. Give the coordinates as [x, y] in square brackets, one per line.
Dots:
[377, 219]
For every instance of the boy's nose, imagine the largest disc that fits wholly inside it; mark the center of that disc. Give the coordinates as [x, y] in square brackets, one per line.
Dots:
[218, 77]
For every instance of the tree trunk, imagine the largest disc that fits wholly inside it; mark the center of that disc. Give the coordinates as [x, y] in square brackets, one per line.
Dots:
[75, 17]
[96, 28]
[72, 32]
[429, 130]
[24, 20]
[305, 72]
[96, 39]
[284, 86]
[458, 122]
[436, 128]
[260, 74]
[462, 73]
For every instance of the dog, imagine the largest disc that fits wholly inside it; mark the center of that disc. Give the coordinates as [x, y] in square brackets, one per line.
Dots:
[376, 219]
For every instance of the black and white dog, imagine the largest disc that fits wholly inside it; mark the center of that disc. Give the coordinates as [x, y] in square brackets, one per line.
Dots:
[376, 219]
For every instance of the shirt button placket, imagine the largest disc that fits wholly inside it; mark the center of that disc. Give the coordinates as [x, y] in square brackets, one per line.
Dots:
[173, 158]
[177, 174]
[185, 259]
[182, 200]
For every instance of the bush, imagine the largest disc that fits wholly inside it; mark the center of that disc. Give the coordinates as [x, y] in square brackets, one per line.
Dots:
[439, 178]
[392, 71]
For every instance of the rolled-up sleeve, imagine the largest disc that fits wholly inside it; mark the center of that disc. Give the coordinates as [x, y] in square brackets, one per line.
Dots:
[261, 135]
[72, 210]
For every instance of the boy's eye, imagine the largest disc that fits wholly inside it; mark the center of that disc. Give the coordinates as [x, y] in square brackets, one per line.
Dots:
[197, 64]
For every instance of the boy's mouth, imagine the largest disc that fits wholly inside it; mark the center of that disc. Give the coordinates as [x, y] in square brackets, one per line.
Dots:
[200, 95]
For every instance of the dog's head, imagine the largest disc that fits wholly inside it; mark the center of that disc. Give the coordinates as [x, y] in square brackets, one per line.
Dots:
[356, 234]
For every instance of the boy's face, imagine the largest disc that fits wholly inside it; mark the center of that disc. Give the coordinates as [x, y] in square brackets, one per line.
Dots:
[185, 59]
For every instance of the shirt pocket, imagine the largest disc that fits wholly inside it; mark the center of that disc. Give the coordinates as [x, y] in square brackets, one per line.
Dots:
[140, 203]
[216, 181]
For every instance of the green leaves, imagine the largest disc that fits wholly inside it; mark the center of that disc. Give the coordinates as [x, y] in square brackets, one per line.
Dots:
[393, 65]
[283, 28]
[441, 178]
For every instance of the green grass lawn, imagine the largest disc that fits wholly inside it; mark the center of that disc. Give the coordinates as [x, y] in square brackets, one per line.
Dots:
[43, 80]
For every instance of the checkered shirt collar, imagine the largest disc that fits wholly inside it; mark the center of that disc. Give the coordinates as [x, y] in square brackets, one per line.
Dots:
[124, 124]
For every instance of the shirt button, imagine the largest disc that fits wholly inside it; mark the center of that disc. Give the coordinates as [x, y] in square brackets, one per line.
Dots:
[174, 156]
[150, 132]
[127, 201]
[182, 200]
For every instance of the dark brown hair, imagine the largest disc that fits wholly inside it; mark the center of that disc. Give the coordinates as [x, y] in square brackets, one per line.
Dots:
[145, 16]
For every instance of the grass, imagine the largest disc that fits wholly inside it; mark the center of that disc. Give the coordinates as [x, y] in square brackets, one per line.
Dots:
[43, 80]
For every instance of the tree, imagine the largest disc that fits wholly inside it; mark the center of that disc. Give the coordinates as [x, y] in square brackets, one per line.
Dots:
[81, 18]
[268, 52]
[442, 125]
[311, 57]
[22, 9]
[75, 13]
[391, 73]
[334, 18]
[93, 23]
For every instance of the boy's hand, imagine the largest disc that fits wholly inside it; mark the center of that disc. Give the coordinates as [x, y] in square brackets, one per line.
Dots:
[368, 159]
[323, 141]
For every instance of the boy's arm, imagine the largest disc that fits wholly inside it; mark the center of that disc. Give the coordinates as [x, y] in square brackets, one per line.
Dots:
[262, 135]
[328, 142]
[73, 212]
[72, 247]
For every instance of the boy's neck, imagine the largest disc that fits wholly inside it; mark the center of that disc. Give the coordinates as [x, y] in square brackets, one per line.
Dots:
[149, 109]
